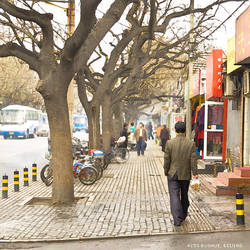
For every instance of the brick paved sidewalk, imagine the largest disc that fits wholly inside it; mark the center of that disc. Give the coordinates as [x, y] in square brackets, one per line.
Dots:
[132, 199]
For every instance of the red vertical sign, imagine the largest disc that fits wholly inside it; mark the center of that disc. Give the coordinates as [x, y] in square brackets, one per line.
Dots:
[214, 75]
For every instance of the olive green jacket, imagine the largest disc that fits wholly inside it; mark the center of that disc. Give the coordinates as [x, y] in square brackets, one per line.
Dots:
[180, 158]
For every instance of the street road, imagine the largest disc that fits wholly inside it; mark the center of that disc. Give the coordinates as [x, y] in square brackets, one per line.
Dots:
[15, 154]
[224, 240]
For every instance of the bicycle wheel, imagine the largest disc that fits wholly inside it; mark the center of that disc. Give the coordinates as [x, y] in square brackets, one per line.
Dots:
[121, 155]
[88, 175]
[46, 175]
[107, 160]
[99, 168]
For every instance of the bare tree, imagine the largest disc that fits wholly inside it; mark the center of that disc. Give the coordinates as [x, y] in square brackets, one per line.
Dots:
[156, 36]
[33, 41]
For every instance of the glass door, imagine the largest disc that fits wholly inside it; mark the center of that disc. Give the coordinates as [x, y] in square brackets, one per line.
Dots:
[213, 130]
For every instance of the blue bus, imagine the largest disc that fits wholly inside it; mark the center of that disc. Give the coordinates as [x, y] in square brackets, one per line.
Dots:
[19, 121]
[80, 122]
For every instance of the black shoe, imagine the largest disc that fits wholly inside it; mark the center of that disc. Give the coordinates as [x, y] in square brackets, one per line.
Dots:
[177, 224]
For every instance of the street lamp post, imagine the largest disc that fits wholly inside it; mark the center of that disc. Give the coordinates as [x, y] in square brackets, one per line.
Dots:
[190, 74]
[71, 28]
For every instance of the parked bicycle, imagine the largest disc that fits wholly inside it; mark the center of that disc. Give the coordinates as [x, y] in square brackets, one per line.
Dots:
[88, 169]
[117, 154]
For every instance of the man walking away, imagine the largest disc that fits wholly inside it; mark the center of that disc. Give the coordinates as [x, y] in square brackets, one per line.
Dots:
[150, 131]
[125, 133]
[164, 135]
[141, 138]
[179, 160]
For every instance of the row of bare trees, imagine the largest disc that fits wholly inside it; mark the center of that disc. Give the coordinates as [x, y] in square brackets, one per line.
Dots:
[156, 35]
[18, 84]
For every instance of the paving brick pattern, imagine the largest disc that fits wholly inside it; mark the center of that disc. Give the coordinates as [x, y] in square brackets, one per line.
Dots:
[131, 199]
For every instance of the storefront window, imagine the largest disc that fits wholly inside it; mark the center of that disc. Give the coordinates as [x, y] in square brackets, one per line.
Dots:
[214, 143]
[215, 116]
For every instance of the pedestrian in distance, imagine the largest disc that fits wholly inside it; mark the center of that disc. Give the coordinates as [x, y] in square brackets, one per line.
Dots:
[141, 138]
[150, 131]
[179, 164]
[158, 133]
[164, 136]
[125, 132]
[132, 127]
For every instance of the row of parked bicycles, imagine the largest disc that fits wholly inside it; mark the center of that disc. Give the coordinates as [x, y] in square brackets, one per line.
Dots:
[88, 165]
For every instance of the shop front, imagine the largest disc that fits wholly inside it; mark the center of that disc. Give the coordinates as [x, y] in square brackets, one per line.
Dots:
[209, 111]
[242, 57]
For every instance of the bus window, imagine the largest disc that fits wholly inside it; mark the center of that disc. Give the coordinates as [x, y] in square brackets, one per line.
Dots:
[31, 115]
[12, 116]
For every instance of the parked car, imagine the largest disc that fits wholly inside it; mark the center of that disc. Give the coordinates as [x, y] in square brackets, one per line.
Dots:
[43, 129]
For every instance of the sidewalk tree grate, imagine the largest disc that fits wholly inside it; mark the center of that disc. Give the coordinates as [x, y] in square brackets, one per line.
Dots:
[47, 201]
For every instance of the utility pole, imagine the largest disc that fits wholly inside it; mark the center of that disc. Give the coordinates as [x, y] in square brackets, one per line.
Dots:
[190, 74]
[71, 28]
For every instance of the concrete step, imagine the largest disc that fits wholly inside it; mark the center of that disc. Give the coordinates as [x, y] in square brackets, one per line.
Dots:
[214, 183]
[218, 186]
[234, 179]
[224, 174]
[242, 171]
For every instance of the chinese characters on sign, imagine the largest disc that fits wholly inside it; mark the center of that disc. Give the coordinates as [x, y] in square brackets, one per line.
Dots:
[242, 45]
[214, 75]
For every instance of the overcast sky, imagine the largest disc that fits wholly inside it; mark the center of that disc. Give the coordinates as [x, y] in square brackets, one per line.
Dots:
[221, 36]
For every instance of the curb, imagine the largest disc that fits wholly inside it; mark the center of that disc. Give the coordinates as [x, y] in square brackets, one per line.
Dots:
[240, 229]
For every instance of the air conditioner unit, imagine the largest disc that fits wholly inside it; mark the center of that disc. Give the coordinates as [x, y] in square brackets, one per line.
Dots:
[246, 83]
[229, 88]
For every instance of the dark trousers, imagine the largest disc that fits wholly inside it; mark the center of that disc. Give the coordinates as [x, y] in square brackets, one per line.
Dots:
[179, 203]
[140, 146]
[163, 144]
[124, 153]
[150, 135]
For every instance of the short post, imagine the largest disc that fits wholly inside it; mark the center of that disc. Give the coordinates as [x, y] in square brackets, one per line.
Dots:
[5, 187]
[25, 177]
[16, 181]
[34, 172]
[240, 218]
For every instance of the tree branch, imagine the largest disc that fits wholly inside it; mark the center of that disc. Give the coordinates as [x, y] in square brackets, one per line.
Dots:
[86, 24]
[12, 49]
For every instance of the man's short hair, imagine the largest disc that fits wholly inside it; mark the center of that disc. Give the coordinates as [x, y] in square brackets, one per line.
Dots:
[132, 124]
[125, 125]
[180, 127]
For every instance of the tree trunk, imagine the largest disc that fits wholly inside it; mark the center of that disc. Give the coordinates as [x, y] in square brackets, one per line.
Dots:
[54, 92]
[92, 109]
[94, 127]
[106, 122]
[117, 121]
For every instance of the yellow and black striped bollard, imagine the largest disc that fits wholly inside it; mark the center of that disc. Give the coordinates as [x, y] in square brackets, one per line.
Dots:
[34, 172]
[5, 187]
[240, 218]
[16, 181]
[25, 177]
